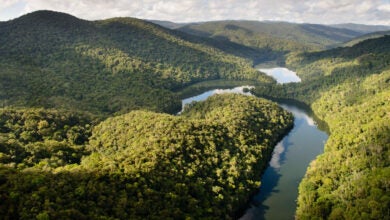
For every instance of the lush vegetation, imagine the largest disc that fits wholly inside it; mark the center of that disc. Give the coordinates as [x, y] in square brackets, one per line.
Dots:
[349, 88]
[50, 59]
[69, 158]
[43, 138]
[320, 71]
[202, 164]
[362, 28]
[272, 39]
[63, 155]
[351, 179]
[366, 37]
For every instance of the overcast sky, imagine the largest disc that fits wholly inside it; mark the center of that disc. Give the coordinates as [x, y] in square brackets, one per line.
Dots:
[376, 12]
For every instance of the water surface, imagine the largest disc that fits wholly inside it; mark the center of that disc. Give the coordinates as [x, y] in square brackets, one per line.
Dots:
[282, 75]
[205, 95]
[291, 157]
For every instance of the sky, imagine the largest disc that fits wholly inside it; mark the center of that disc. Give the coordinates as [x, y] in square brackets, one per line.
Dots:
[373, 12]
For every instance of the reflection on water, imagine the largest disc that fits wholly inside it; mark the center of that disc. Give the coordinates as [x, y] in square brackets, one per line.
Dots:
[205, 95]
[275, 160]
[291, 157]
[282, 75]
[279, 183]
[299, 113]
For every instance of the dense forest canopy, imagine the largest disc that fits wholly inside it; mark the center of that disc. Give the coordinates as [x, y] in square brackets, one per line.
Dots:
[107, 66]
[273, 40]
[202, 164]
[84, 131]
[366, 37]
[322, 70]
[348, 88]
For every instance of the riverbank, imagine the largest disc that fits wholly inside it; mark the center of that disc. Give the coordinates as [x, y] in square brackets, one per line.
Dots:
[201, 87]
[288, 164]
[279, 190]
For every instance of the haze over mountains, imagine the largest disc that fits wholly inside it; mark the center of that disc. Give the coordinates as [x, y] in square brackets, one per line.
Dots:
[362, 28]
[275, 39]
[300, 32]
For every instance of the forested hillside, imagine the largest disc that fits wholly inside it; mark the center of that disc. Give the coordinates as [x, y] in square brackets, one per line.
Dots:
[349, 88]
[362, 28]
[366, 37]
[202, 164]
[51, 59]
[275, 39]
[84, 132]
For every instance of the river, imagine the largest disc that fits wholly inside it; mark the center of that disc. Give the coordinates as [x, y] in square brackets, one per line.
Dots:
[291, 156]
[282, 75]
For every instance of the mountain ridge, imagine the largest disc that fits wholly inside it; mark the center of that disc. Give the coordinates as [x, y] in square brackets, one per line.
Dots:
[349, 89]
[364, 37]
[362, 27]
[284, 30]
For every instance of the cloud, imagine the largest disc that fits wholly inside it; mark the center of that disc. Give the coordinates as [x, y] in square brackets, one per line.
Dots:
[385, 8]
[11, 9]
[276, 155]
[311, 11]
[7, 3]
[88, 9]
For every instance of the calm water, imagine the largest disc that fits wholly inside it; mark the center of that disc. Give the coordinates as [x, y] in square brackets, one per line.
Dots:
[205, 95]
[290, 159]
[282, 75]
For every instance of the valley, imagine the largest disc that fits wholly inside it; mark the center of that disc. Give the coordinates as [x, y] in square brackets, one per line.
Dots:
[89, 126]
[290, 158]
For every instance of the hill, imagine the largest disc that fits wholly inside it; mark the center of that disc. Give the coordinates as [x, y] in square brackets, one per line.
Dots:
[348, 88]
[51, 59]
[140, 165]
[247, 31]
[168, 24]
[362, 28]
[366, 37]
[275, 39]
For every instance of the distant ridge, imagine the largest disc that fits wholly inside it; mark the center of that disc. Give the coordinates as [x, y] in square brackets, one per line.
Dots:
[366, 37]
[362, 27]
[320, 35]
[168, 24]
[278, 36]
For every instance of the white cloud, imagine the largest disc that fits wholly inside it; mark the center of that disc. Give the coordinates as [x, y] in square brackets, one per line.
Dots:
[11, 9]
[7, 3]
[312, 11]
[385, 7]
[276, 155]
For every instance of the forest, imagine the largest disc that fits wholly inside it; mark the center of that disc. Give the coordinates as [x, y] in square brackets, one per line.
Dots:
[273, 41]
[105, 67]
[204, 163]
[88, 127]
[348, 88]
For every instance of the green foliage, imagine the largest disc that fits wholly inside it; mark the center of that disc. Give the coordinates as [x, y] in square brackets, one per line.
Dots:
[201, 87]
[366, 37]
[352, 175]
[202, 164]
[205, 163]
[54, 60]
[320, 71]
[349, 89]
[272, 40]
[44, 138]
